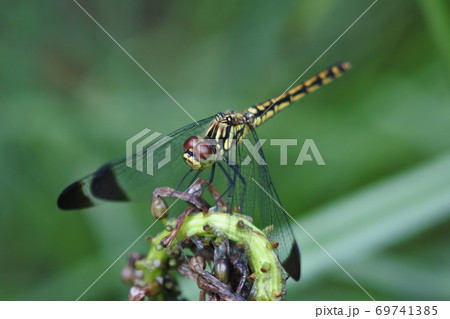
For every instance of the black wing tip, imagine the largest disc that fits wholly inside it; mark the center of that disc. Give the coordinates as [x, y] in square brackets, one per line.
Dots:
[292, 264]
[73, 197]
[105, 185]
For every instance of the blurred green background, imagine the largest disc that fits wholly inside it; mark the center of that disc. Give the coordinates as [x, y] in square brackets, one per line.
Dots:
[69, 98]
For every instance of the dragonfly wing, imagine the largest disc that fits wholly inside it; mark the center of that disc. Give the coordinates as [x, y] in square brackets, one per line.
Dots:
[269, 201]
[255, 193]
[119, 182]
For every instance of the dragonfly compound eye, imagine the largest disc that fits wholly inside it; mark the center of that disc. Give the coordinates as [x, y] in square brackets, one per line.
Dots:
[203, 150]
[190, 142]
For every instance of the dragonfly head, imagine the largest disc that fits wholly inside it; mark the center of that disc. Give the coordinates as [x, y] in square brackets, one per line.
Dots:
[197, 153]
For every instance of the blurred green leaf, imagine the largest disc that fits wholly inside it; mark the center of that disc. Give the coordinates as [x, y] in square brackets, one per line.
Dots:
[360, 227]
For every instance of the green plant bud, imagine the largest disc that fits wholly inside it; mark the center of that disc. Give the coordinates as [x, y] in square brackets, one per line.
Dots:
[269, 229]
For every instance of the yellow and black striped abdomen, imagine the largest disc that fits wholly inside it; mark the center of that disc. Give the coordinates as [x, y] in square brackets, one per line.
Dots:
[262, 112]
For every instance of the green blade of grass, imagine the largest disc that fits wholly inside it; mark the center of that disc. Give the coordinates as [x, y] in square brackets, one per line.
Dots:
[359, 226]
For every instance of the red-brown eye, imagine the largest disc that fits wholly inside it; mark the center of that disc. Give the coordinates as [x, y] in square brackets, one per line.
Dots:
[202, 150]
[190, 142]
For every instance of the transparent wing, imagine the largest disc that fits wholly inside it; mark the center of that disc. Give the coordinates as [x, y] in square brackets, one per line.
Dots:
[119, 182]
[255, 193]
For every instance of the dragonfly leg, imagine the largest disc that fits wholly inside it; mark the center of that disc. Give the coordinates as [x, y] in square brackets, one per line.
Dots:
[184, 177]
[230, 195]
[193, 180]
[233, 182]
[211, 178]
[216, 196]
[205, 184]
[196, 188]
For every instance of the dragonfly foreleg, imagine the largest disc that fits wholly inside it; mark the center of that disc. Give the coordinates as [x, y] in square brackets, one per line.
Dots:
[216, 196]
[231, 183]
[242, 179]
[206, 183]
[184, 177]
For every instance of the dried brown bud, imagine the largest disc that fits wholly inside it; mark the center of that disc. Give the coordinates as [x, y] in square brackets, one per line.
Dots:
[265, 268]
[222, 270]
[197, 264]
[159, 207]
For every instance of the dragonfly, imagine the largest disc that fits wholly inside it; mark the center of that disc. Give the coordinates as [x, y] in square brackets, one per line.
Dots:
[212, 145]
